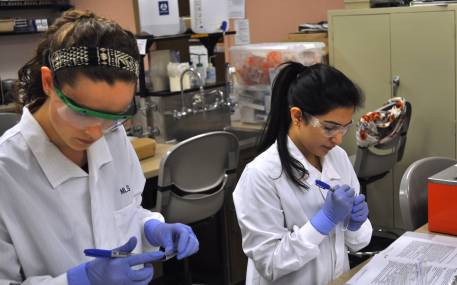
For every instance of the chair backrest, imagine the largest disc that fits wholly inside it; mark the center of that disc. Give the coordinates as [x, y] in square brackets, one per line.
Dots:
[413, 189]
[7, 121]
[379, 159]
[194, 174]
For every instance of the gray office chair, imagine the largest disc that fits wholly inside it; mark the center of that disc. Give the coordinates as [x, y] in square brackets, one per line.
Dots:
[193, 175]
[192, 180]
[7, 121]
[413, 189]
[375, 160]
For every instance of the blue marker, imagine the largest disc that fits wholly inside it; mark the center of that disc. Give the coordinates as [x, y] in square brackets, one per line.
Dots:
[94, 252]
[105, 253]
[323, 185]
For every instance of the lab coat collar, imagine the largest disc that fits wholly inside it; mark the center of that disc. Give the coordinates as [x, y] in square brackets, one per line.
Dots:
[328, 170]
[99, 154]
[55, 165]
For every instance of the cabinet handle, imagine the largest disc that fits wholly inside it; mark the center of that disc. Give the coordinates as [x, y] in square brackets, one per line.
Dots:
[395, 85]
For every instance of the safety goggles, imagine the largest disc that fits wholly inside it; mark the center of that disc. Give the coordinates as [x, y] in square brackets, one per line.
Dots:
[329, 129]
[82, 118]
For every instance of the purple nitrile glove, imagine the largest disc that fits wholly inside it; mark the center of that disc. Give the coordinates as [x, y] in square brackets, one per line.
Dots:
[359, 213]
[336, 207]
[116, 271]
[177, 237]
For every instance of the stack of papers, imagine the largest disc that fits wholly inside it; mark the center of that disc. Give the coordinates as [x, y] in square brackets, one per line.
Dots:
[431, 3]
[413, 259]
[313, 28]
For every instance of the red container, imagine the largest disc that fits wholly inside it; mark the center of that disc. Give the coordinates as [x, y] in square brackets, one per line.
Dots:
[442, 201]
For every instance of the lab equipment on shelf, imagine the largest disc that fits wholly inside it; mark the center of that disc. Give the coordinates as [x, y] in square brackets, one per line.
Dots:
[159, 18]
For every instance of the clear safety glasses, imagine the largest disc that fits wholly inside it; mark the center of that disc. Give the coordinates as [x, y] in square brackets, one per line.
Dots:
[329, 129]
[83, 118]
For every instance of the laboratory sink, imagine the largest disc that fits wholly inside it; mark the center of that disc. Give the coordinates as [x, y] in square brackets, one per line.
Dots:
[247, 138]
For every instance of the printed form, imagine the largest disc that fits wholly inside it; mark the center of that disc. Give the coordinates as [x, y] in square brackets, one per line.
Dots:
[414, 258]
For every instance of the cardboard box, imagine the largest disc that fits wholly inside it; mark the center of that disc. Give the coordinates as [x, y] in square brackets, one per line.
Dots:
[311, 37]
[144, 147]
[6, 25]
[356, 4]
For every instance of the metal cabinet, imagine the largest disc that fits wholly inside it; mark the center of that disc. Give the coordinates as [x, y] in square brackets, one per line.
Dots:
[418, 44]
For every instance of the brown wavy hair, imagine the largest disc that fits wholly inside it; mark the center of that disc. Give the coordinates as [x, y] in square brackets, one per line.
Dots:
[74, 28]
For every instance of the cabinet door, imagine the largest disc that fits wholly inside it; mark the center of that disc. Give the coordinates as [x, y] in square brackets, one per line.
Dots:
[361, 49]
[423, 55]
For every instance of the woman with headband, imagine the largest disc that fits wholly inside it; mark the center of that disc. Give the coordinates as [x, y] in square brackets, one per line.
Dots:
[70, 179]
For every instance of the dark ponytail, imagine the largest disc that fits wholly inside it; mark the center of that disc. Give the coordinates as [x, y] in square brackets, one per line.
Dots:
[316, 90]
[278, 122]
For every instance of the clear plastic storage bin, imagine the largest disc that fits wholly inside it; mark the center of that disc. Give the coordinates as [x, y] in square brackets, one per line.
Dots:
[253, 103]
[256, 66]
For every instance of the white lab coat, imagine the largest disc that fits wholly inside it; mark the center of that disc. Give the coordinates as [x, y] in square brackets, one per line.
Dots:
[281, 244]
[51, 210]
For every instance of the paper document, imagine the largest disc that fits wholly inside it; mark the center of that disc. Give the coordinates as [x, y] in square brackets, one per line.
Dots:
[430, 3]
[243, 35]
[237, 9]
[413, 259]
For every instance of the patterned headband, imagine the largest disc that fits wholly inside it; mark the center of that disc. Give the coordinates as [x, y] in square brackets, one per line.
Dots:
[79, 56]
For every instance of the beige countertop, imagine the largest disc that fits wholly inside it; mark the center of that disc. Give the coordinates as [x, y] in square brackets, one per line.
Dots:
[8, 108]
[246, 126]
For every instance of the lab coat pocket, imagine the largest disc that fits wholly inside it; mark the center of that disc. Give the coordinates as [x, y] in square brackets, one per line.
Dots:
[128, 224]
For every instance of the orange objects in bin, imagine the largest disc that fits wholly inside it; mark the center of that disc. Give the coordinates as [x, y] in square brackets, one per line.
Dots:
[442, 201]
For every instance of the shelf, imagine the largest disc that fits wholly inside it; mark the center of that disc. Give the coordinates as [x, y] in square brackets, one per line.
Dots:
[199, 36]
[19, 33]
[186, 35]
[59, 7]
[208, 40]
[16, 6]
[181, 43]
[168, 93]
[162, 38]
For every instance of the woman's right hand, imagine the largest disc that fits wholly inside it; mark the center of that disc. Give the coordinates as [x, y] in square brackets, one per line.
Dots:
[336, 208]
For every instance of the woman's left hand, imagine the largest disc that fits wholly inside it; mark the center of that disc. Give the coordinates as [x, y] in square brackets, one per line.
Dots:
[359, 213]
[177, 238]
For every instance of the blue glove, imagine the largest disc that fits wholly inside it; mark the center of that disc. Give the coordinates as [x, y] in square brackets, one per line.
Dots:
[177, 238]
[116, 271]
[337, 206]
[359, 213]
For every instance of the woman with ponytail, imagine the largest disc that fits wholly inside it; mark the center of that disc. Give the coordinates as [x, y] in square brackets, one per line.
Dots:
[293, 231]
[70, 179]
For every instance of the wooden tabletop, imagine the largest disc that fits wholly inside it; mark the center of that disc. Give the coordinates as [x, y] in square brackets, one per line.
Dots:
[423, 229]
[246, 126]
[8, 108]
[342, 279]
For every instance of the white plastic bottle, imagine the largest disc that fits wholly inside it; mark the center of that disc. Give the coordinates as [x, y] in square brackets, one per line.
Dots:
[200, 68]
[159, 17]
[210, 74]
[207, 16]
